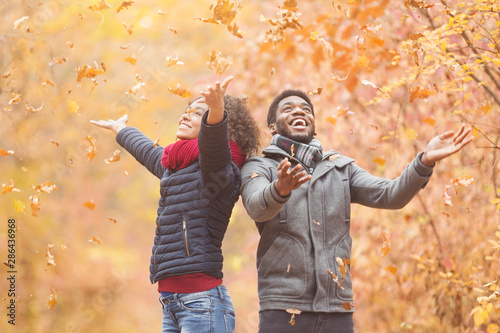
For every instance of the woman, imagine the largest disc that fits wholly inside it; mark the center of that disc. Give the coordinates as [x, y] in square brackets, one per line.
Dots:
[200, 181]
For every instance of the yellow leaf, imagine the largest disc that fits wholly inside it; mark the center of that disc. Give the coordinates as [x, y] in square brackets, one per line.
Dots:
[184, 93]
[114, 158]
[218, 62]
[379, 160]
[480, 317]
[386, 244]
[35, 205]
[6, 152]
[124, 5]
[92, 149]
[363, 60]
[411, 133]
[52, 298]
[73, 106]
[50, 257]
[173, 61]
[128, 27]
[131, 59]
[475, 132]
[391, 269]
[19, 206]
[331, 120]
[493, 328]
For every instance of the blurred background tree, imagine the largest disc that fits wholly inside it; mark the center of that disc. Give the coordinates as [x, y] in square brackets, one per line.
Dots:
[384, 76]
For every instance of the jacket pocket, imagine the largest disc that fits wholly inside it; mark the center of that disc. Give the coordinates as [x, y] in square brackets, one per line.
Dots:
[283, 269]
[343, 251]
[185, 232]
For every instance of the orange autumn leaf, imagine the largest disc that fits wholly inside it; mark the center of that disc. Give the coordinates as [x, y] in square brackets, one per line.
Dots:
[73, 106]
[430, 121]
[368, 83]
[48, 82]
[184, 93]
[332, 120]
[19, 22]
[112, 220]
[218, 62]
[6, 152]
[155, 143]
[128, 27]
[411, 133]
[89, 204]
[340, 79]
[16, 98]
[102, 4]
[92, 149]
[333, 157]
[10, 187]
[254, 174]
[124, 5]
[46, 187]
[315, 92]
[347, 306]
[446, 196]
[292, 150]
[391, 269]
[131, 60]
[35, 205]
[386, 244]
[19, 206]
[114, 158]
[464, 181]
[86, 71]
[52, 298]
[421, 93]
[32, 109]
[379, 160]
[49, 257]
[95, 240]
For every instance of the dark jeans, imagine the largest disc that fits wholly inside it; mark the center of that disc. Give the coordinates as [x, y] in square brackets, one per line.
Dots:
[277, 321]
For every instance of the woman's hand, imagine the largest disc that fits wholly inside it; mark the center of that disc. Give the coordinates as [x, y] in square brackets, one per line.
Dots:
[214, 98]
[446, 144]
[114, 125]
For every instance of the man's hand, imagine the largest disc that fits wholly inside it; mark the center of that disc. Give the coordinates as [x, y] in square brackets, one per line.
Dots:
[114, 125]
[214, 98]
[289, 180]
[446, 144]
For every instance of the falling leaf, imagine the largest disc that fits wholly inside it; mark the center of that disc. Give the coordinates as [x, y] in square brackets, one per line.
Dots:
[18, 23]
[317, 223]
[496, 201]
[52, 298]
[218, 62]
[124, 5]
[49, 257]
[131, 60]
[340, 79]
[292, 150]
[63, 247]
[47, 82]
[430, 121]
[6, 152]
[112, 220]
[46, 187]
[445, 213]
[16, 98]
[128, 27]
[73, 106]
[421, 93]
[92, 149]
[184, 93]
[161, 12]
[446, 197]
[19, 206]
[86, 71]
[171, 61]
[333, 157]
[371, 28]
[124, 47]
[95, 240]
[288, 268]
[254, 174]
[57, 61]
[224, 13]
[368, 83]
[463, 181]
[33, 110]
[386, 244]
[391, 269]
[135, 88]
[379, 160]
[293, 312]
[102, 4]
[35, 205]
[332, 120]
[347, 306]
[315, 92]
[89, 204]
[10, 187]
[411, 133]
[114, 158]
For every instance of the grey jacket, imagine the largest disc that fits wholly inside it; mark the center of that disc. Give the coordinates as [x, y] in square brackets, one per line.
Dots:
[302, 235]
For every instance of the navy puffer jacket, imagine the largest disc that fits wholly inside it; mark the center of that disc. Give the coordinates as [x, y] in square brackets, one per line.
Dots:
[195, 204]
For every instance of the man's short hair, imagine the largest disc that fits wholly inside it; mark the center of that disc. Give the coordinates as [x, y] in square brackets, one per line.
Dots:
[271, 114]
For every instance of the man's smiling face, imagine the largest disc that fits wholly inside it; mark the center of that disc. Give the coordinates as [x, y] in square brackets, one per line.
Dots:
[294, 120]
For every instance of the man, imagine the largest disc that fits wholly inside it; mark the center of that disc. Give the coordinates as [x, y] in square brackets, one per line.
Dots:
[299, 197]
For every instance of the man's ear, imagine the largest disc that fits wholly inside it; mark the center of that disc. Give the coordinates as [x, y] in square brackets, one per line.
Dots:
[272, 129]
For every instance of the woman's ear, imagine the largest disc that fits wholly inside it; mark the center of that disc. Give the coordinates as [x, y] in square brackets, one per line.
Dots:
[272, 129]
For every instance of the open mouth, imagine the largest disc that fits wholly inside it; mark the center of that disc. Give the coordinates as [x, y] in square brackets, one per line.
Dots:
[184, 125]
[298, 123]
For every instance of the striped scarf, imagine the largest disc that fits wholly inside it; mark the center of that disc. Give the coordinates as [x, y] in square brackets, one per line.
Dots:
[307, 154]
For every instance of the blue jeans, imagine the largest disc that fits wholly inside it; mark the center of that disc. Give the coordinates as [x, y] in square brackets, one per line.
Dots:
[277, 321]
[208, 311]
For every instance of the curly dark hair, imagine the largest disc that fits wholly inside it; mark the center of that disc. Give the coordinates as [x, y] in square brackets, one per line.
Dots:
[242, 127]
[271, 114]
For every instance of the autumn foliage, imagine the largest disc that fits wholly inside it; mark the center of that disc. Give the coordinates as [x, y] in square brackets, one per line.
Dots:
[385, 76]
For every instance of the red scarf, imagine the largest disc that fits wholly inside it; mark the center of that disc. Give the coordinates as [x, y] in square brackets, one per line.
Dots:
[183, 153]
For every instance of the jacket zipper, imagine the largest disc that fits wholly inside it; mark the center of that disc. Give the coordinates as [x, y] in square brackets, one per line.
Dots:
[185, 235]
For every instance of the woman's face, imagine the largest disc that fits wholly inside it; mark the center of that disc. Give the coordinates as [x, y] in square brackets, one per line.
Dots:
[190, 121]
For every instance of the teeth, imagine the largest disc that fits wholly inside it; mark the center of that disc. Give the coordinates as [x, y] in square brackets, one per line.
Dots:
[184, 126]
[299, 122]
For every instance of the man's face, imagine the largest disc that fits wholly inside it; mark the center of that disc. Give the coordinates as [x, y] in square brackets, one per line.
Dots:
[294, 120]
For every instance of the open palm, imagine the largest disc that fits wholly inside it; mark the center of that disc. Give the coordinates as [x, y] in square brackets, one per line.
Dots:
[446, 144]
